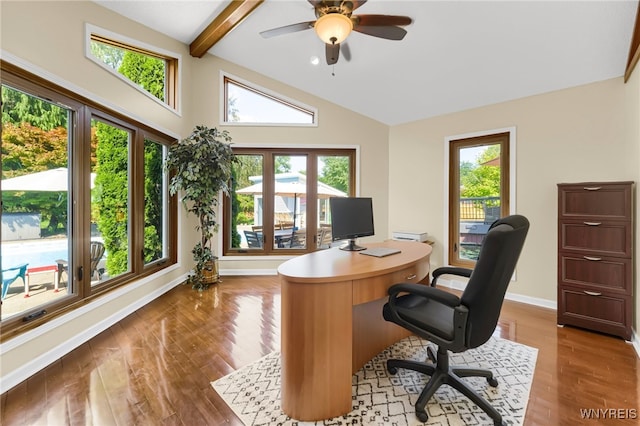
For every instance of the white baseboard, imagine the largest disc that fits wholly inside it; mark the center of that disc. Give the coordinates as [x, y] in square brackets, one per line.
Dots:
[551, 304]
[635, 341]
[8, 381]
[536, 301]
[248, 272]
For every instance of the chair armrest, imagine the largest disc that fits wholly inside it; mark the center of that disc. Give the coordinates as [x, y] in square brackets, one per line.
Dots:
[432, 293]
[449, 270]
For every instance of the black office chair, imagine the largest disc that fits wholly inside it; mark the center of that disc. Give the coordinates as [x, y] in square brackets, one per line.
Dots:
[254, 239]
[459, 323]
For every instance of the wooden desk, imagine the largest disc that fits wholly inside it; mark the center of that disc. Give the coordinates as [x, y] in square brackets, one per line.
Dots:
[332, 322]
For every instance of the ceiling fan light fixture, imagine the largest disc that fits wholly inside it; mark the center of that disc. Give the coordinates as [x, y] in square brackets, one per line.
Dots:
[333, 28]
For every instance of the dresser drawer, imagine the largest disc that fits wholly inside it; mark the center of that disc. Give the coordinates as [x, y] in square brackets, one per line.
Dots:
[368, 289]
[601, 238]
[596, 311]
[596, 273]
[604, 201]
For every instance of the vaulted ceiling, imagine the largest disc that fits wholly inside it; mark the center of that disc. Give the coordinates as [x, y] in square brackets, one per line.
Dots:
[455, 56]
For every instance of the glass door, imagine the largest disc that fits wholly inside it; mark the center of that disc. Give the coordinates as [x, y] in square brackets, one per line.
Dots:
[478, 193]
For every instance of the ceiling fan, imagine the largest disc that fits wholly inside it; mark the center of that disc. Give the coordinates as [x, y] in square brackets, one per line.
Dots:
[336, 21]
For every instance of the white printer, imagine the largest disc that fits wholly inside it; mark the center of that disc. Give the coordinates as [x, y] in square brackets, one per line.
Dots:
[409, 236]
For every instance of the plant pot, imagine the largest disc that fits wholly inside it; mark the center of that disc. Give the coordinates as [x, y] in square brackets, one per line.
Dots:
[210, 272]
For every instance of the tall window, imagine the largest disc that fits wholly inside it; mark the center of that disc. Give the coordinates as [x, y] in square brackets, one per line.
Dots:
[280, 199]
[85, 206]
[155, 198]
[148, 69]
[479, 192]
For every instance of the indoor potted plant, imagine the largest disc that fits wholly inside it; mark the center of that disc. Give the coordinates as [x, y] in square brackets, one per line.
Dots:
[201, 164]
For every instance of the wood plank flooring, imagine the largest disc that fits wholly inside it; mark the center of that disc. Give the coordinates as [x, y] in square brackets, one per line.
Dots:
[155, 366]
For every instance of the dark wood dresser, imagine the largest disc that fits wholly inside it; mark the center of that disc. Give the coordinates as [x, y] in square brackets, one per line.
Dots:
[595, 256]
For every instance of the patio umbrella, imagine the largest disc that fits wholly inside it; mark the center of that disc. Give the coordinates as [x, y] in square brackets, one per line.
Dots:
[293, 189]
[54, 180]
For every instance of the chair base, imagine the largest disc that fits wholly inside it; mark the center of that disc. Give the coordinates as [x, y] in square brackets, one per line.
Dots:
[442, 374]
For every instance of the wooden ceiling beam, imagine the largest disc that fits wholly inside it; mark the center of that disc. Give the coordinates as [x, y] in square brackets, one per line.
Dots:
[634, 49]
[226, 21]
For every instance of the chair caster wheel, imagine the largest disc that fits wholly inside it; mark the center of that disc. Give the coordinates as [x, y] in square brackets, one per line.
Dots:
[499, 423]
[392, 370]
[422, 416]
[493, 382]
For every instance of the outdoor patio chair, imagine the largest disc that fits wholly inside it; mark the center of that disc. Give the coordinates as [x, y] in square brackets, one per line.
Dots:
[324, 240]
[286, 225]
[254, 240]
[96, 252]
[9, 275]
[298, 238]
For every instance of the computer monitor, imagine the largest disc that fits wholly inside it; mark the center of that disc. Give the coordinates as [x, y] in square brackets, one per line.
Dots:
[351, 218]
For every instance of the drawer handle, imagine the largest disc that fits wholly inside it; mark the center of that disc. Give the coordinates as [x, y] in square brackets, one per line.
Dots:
[410, 277]
[592, 293]
[592, 258]
[592, 188]
[593, 223]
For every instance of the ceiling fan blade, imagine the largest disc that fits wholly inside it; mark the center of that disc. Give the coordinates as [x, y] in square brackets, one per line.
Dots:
[301, 26]
[332, 52]
[346, 51]
[389, 32]
[380, 20]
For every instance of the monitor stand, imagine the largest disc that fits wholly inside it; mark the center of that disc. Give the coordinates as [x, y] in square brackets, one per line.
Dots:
[351, 246]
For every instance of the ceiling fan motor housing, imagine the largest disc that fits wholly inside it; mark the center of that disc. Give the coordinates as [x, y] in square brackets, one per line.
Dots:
[341, 7]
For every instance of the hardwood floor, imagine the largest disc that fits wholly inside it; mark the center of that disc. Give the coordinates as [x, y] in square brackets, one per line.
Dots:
[155, 366]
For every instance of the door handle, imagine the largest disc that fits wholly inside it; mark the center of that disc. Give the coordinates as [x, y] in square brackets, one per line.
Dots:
[592, 223]
[592, 188]
[592, 293]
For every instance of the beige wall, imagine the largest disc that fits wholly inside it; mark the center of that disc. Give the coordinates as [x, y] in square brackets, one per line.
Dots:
[336, 126]
[586, 133]
[51, 35]
[632, 111]
[49, 38]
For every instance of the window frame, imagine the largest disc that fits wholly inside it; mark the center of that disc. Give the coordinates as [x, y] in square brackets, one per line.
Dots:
[82, 110]
[508, 185]
[173, 63]
[225, 78]
[268, 153]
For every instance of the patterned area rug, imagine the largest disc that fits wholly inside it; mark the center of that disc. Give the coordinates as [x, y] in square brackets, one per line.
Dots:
[253, 392]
